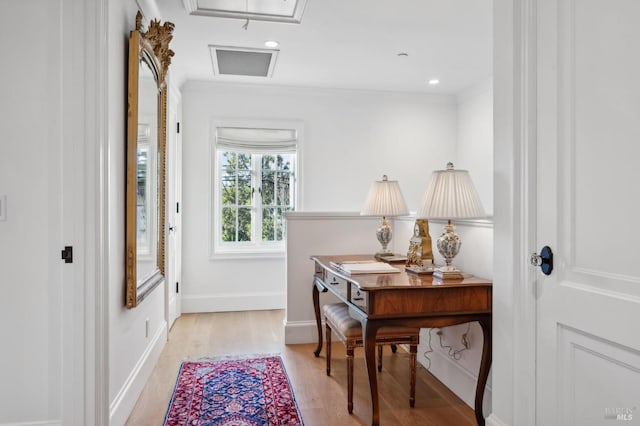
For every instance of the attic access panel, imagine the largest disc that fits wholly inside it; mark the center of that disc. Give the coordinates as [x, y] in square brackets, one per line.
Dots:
[256, 10]
[242, 61]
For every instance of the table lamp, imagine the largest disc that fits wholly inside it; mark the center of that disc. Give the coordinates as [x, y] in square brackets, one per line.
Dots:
[450, 195]
[384, 199]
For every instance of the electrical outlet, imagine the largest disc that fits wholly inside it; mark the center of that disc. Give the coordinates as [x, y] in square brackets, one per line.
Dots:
[465, 341]
[3, 208]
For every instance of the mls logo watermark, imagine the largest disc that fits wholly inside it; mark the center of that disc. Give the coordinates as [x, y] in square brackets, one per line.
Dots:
[623, 414]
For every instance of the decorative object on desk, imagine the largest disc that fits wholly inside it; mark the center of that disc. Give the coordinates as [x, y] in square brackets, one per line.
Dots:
[450, 195]
[232, 391]
[420, 254]
[384, 199]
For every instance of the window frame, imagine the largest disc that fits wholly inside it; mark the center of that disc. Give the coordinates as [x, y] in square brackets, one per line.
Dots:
[258, 249]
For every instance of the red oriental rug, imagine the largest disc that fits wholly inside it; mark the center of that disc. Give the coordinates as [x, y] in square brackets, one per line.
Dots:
[233, 392]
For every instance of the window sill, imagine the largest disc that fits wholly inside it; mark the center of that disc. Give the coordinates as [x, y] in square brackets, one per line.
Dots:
[248, 254]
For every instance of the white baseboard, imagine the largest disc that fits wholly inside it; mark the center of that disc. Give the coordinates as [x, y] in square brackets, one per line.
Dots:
[298, 332]
[458, 379]
[122, 405]
[233, 302]
[493, 420]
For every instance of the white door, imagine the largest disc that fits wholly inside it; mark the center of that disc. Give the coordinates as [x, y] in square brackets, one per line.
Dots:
[41, 212]
[174, 179]
[588, 212]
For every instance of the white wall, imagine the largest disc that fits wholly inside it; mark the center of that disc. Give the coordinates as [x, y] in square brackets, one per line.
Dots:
[475, 139]
[351, 138]
[132, 353]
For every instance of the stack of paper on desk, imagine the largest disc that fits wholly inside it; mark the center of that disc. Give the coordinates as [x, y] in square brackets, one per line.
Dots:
[365, 267]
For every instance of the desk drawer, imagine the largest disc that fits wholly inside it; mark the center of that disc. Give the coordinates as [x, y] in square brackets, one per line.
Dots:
[359, 298]
[340, 286]
[337, 284]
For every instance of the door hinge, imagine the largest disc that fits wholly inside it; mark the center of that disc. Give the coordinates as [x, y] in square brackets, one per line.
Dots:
[177, 287]
[178, 127]
[67, 254]
[178, 207]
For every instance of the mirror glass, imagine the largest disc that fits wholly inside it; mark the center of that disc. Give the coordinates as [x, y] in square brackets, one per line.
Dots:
[146, 176]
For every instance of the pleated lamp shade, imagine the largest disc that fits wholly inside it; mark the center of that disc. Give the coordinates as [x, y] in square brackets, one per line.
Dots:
[385, 199]
[451, 195]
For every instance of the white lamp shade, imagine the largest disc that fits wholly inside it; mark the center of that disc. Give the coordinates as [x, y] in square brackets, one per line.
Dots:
[451, 195]
[385, 199]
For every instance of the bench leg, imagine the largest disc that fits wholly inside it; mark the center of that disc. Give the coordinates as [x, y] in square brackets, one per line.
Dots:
[328, 339]
[380, 358]
[350, 379]
[413, 350]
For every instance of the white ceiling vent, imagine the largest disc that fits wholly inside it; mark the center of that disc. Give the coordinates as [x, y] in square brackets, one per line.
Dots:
[243, 61]
[255, 10]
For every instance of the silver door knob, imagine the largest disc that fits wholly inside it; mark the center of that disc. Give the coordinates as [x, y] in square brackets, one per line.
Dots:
[544, 260]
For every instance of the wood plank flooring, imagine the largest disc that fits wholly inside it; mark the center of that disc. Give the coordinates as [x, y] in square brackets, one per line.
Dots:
[322, 400]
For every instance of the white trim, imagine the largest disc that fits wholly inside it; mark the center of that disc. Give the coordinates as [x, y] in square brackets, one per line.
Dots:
[298, 215]
[127, 396]
[198, 86]
[476, 223]
[216, 249]
[280, 253]
[254, 301]
[493, 420]
[193, 8]
[300, 332]
[524, 198]
[514, 325]
[38, 423]
[97, 192]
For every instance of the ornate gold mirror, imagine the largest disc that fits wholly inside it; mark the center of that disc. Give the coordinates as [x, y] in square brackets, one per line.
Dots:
[149, 59]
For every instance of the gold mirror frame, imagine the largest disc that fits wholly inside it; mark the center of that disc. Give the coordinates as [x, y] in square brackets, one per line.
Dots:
[152, 49]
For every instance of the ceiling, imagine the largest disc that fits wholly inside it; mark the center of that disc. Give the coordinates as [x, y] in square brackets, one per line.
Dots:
[349, 44]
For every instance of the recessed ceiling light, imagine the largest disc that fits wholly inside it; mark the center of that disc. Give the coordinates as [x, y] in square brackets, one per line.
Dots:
[271, 43]
[434, 81]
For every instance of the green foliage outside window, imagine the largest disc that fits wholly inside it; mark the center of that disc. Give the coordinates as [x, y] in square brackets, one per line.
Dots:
[244, 199]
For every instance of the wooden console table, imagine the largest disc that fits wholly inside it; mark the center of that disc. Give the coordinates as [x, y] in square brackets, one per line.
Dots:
[404, 299]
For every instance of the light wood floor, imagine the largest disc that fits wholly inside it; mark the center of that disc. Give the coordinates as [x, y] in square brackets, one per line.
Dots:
[322, 400]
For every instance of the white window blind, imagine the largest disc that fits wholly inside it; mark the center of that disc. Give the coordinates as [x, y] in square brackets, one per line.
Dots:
[256, 140]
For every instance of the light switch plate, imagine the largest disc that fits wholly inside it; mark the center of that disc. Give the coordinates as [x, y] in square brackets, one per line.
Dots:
[3, 208]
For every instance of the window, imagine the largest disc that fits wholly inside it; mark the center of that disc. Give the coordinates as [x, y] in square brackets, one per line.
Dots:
[255, 183]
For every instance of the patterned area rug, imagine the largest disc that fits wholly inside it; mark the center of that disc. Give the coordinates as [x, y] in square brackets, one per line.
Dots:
[233, 392]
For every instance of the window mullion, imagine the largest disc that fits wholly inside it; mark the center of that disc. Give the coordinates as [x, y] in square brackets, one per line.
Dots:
[236, 204]
[257, 201]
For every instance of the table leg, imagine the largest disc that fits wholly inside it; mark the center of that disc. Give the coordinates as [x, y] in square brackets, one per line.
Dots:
[316, 309]
[485, 365]
[369, 331]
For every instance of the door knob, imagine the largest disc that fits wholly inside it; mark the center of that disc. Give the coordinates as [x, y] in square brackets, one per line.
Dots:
[544, 260]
